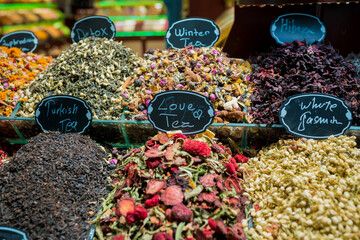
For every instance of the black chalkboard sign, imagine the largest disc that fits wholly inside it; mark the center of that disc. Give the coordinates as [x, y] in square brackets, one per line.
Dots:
[199, 32]
[96, 26]
[25, 40]
[187, 111]
[63, 113]
[314, 115]
[297, 26]
[8, 233]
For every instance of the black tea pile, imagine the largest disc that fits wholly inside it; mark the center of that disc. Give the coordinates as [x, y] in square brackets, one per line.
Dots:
[53, 186]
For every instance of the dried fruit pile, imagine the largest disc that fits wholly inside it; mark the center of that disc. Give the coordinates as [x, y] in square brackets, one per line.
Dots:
[175, 187]
[93, 69]
[53, 185]
[297, 68]
[205, 70]
[305, 189]
[18, 69]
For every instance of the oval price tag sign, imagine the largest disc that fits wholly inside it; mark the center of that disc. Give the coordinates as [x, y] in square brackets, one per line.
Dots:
[199, 32]
[63, 113]
[25, 40]
[96, 26]
[315, 115]
[8, 233]
[297, 26]
[187, 111]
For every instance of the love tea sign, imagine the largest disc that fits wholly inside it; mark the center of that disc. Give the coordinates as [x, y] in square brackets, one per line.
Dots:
[63, 113]
[314, 115]
[199, 32]
[187, 111]
[297, 26]
[25, 40]
[8, 233]
[96, 26]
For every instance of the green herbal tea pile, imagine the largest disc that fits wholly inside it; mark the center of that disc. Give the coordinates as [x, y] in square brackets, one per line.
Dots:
[175, 187]
[53, 185]
[93, 69]
[305, 189]
[204, 70]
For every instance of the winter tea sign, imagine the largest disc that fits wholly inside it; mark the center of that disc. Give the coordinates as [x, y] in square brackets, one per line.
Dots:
[297, 26]
[187, 111]
[8, 233]
[63, 113]
[315, 115]
[199, 32]
[25, 40]
[93, 26]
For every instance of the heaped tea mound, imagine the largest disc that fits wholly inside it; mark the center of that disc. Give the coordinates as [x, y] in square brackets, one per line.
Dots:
[305, 189]
[52, 186]
[94, 69]
[175, 187]
[297, 68]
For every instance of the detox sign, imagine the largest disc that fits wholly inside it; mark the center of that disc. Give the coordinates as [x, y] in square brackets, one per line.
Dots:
[93, 26]
[315, 115]
[63, 113]
[199, 32]
[25, 40]
[297, 26]
[187, 111]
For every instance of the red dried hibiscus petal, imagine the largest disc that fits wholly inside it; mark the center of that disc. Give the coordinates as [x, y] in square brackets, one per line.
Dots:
[212, 224]
[152, 202]
[162, 236]
[182, 213]
[172, 196]
[207, 197]
[197, 148]
[153, 153]
[203, 234]
[241, 158]
[153, 162]
[118, 237]
[208, 180]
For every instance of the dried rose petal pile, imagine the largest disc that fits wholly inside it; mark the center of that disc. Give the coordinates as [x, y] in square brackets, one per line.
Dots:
[175, 187]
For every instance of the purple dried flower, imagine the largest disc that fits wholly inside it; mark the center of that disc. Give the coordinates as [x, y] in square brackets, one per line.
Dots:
[213, 71]
[113, 161]
[147, 102]
[180, 86]
[125, 94]
[148, 92]
[153, 65]
[212, 96]
[219, 60]
[162, 82]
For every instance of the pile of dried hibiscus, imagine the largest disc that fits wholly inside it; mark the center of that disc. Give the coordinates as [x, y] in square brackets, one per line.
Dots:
[175, 187]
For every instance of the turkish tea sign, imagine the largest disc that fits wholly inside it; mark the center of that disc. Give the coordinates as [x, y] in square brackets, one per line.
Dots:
[8, 233]
[297, 26]
[315, 115]
[93, 26]
[187, 111]
[199, 32]
[63, 113]
[25, 40]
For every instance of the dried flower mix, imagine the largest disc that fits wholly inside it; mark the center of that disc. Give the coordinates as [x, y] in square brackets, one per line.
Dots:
[204, 70]
[187, 194]
[18, 70]
[53, 185]
[94, 69]
[297, 68]
[305, 189]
